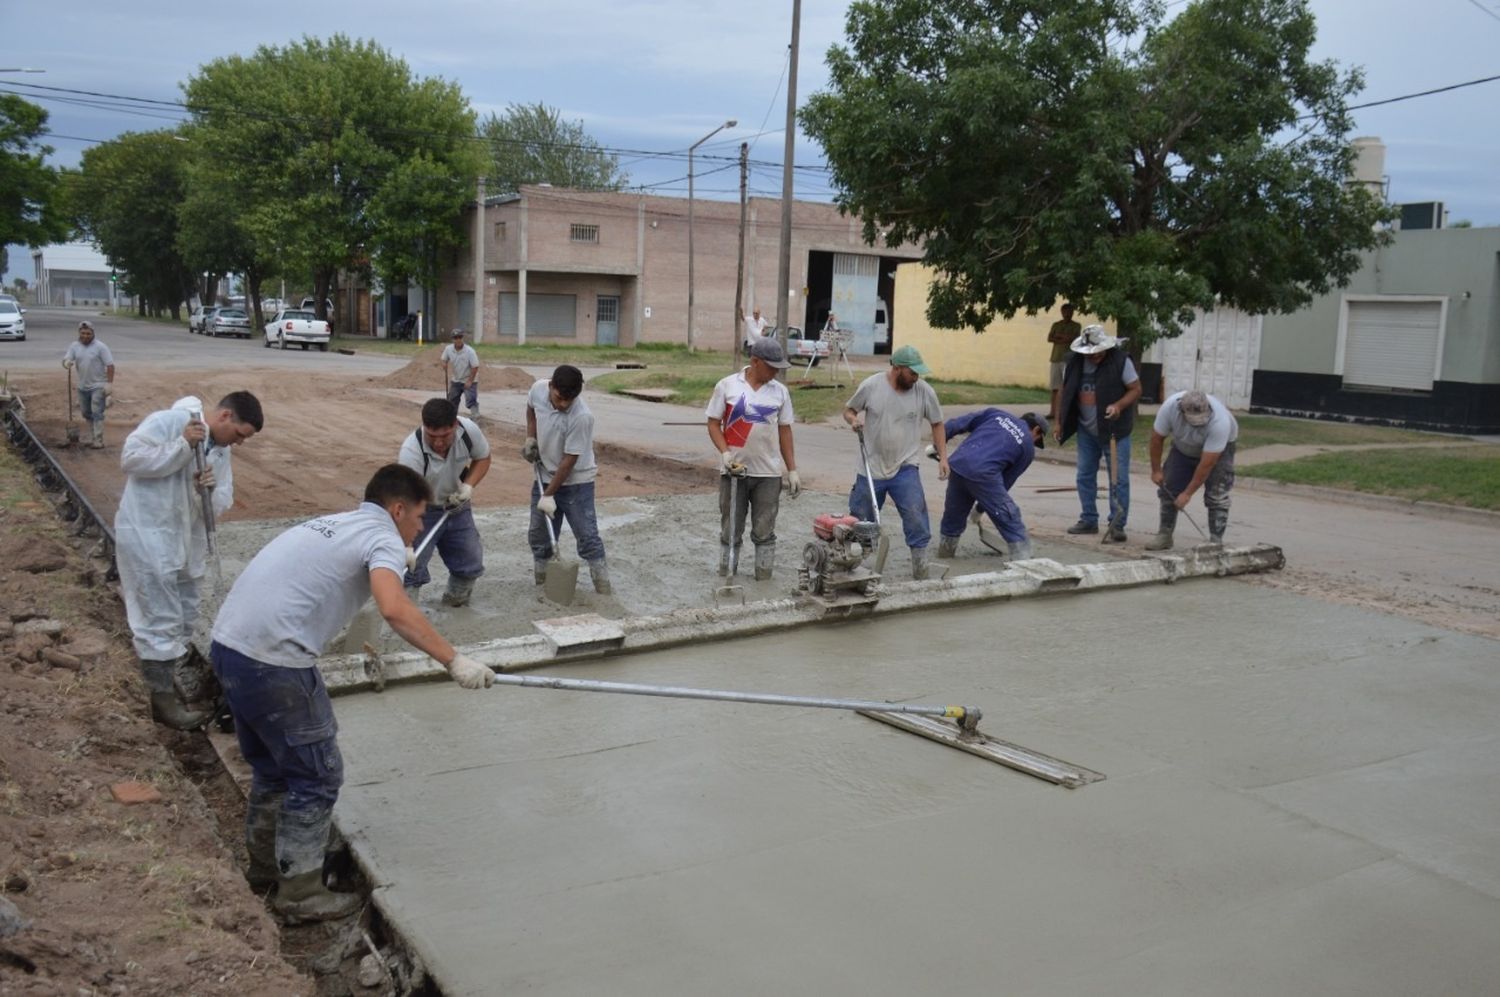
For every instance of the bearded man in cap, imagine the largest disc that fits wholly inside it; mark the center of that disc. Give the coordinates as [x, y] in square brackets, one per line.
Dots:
[1203, 433]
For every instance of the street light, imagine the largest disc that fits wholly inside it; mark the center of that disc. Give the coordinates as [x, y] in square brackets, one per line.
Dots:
[691, 149]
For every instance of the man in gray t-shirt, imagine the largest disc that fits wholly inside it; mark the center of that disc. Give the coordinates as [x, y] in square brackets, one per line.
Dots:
[1203, 433]
[560, 444]
[890, 412]
[96, 379]
[453, 455]
[291, 599]
[461, 365]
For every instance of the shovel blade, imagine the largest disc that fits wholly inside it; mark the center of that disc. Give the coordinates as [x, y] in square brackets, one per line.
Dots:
[562, 581]
[72, 431]
[882, 550]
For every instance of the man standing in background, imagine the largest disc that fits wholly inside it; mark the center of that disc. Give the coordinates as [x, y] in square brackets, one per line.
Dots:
[462, 366]
[1061, 336]
[96, 378]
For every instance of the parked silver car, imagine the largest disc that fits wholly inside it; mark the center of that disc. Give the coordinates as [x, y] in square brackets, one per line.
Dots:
[12, 319]
[229, 322]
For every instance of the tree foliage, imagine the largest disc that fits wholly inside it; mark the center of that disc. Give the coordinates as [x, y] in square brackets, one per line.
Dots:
[126, 198]
[1094, 150]
[533, 144]
[324, 143]
[30, 211]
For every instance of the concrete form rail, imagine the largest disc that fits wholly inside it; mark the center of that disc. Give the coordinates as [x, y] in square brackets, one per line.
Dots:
[1038, 576]
[74, 506]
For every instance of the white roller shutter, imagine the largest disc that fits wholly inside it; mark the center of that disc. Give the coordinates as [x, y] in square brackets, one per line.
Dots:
[1392, 344]
[546, 314]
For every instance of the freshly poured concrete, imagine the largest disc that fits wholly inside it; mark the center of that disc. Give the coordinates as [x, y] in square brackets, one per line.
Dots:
[1301, 798]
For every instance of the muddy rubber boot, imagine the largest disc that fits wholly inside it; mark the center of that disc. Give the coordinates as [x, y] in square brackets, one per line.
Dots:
[723, 560]
[1163, 538]
[167, 707]
[1218, 521]
[98, 440]
[947, 547]
[599, 574]
[457, 592]
[765, 562]
[539, 571]
[474, 412]
[921, 563]
[1020, 550]
[260, 839]
[301, 839]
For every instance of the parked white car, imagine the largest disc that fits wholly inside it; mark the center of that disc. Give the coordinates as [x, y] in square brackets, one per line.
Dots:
[12, 319]
[297, 327]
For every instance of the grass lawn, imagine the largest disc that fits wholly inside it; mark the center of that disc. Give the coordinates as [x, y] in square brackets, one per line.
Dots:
[1263, 430]
[1468, 476]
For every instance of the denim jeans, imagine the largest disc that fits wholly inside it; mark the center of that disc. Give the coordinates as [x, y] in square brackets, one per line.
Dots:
[91, 404]
[905, 490]
[1091, 450]
[760, 499]
[470, 394]
[575, 503]
[457, 543]
[992, 498]
[284, 721]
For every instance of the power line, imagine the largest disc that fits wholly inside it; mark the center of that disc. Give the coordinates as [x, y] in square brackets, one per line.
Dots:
[1423, 93]
[1485, 9]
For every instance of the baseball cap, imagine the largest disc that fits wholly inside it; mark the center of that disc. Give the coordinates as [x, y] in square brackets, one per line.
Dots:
[907, 356]
[457, 333]
[84, 325]
[1195, 409]
[1040, 422]
[768, 349]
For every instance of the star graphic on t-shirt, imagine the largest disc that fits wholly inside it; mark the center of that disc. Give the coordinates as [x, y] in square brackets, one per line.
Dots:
[741, 417]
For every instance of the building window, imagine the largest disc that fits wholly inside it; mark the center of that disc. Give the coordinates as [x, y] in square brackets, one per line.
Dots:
[585, 233]
[499, 231]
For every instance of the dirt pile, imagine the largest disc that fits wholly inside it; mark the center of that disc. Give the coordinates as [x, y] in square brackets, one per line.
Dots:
[424, 371]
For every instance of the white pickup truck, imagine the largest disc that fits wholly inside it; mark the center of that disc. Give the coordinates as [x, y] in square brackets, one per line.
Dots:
[297, 327]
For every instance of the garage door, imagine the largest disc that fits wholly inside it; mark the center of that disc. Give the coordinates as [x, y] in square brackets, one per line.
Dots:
[1392, 344]
[546, 314]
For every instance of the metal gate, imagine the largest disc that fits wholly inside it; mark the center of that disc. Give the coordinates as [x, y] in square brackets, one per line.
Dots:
[1217, 353]
[607, 321]
[856, 292]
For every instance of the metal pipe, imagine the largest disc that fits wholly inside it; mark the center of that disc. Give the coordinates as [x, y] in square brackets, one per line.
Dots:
[967, 716]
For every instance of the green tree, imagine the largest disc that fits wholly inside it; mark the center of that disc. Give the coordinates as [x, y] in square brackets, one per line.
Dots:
[126, 198]
[533, 144]
[29, 202]
[320, 140]
[1095, 151]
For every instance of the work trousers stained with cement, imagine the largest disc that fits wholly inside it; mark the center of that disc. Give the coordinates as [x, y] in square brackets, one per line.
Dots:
[91, 403]
[756, 498]
[469, 393]
[992, 498]
[1178, 470]
[457, 543]
[905, 490]
[575, 503]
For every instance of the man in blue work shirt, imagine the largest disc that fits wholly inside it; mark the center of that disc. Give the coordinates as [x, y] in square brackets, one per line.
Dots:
[999, 449]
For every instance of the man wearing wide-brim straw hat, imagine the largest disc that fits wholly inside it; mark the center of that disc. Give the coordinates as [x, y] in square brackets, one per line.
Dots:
[1099, 392]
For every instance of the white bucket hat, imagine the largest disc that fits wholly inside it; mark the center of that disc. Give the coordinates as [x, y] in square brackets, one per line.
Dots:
[1093, 339]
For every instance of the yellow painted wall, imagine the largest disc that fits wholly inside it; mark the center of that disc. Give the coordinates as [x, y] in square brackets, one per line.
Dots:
[1009, 351]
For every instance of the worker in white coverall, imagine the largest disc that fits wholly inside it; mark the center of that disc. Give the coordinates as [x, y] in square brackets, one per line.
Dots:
[161, 543]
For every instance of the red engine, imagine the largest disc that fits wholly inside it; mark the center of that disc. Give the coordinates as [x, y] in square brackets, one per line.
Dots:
[823, 525]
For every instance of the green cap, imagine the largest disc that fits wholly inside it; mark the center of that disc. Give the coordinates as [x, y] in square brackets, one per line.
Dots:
[907, 356]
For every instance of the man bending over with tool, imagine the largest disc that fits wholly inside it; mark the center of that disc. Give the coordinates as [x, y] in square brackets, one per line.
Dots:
[1203, 433]
[289, 602]
[162, 536]
[560, 443]
[890, 410]
[999, 448]
[453, 456]
[750, 424]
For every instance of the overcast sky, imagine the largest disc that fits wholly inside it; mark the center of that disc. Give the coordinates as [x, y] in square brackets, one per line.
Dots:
[656, 75]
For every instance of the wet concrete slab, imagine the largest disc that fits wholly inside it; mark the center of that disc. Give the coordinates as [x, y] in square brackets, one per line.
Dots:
[1300, 799]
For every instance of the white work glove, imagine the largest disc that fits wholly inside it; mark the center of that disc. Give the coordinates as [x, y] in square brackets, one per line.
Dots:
[531, 451]
[461, 495]
[794, 484]
[469, 673]
[546, 505]
[727, 462]
[411, 559]
[68, 362]
[109, 395]
[205, 478]
[932, 451]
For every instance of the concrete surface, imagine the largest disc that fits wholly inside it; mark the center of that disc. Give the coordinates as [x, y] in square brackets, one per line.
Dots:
[1301, 798]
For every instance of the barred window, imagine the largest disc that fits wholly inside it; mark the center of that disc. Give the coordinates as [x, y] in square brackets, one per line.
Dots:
[585, 233]
[499, 231]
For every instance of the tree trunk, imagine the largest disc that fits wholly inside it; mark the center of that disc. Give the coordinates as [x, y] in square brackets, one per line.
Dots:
[322, 281]
[252, 290]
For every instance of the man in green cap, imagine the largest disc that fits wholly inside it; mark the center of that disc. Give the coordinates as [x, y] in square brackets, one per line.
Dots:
[889, 411]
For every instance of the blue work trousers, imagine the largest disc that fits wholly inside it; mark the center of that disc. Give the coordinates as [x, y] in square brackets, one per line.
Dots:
[905, 490]
[91, 404]
[470, 393]
[1092, 449]
[992, 498]
[457, 543]
[575, 503]
[284, 721]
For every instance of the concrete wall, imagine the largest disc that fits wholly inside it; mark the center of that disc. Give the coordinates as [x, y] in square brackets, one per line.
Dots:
[1009, 351]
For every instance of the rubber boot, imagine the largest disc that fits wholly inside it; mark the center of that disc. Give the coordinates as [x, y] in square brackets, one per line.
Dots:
[474, 412]
[765, 562]
[921, 563]
[98, 440]
[1218, 521]
[723, 560]
[599, 574]
[301, 839]
[167, 707]
[457, 592]
[539, 571]
[1163, 538]
[260, 839]
[947, 547]
[1020, 550]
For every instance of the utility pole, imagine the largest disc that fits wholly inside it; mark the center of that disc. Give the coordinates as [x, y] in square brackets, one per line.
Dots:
[692, 345]
[784, 264]
[739, 279]
[478, 318]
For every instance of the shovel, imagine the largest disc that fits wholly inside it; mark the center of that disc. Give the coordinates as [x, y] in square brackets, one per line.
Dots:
[730, 590]
[72, 428]
[562, 576]
[884, 547]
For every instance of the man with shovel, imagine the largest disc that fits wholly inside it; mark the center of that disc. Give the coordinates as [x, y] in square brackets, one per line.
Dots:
[890, 410]
[750, 425]
[1203, 433]
[452, 456]
[289, 602]
[161, 535]
[560, 443]
[1099, 392]
[96, 379]
[999, 449]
